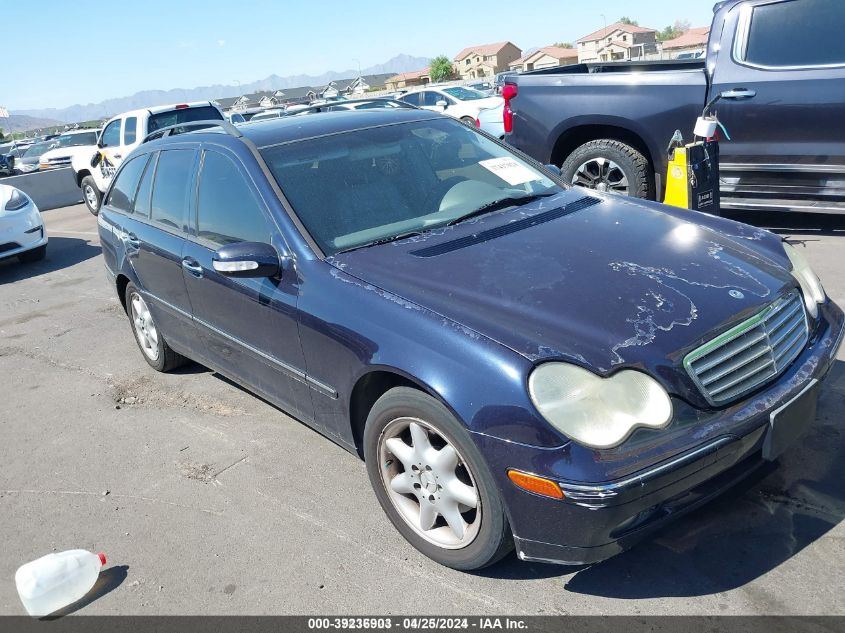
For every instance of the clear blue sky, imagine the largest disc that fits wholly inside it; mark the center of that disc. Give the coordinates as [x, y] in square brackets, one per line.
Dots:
[68, 52]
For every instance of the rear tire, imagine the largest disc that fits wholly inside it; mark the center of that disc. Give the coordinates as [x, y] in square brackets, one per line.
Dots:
[149, 338]
[425, 486]
[35, 255]
[91, 195]
[468, 120]
[609, 165]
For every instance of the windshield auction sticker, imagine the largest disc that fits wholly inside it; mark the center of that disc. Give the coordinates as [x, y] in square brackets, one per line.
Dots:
[509, 170]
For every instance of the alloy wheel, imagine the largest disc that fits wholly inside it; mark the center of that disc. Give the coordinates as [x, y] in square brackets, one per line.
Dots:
[90, 196]
[429, 483]
[145, 329]
[601, 174]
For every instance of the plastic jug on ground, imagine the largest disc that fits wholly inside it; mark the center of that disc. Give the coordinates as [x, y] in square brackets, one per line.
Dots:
[56, 580]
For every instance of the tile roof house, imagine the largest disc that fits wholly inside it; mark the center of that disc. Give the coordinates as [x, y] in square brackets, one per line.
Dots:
[617, 42]
[485, 60]
[694, 39]
[546, 57]
[408, 80]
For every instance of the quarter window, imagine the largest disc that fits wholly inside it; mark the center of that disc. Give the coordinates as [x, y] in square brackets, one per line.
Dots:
[797, 33]
[130, 130]
[172, 183]
[142, 198]
[227, 209]
[111, 135]
[123, 191]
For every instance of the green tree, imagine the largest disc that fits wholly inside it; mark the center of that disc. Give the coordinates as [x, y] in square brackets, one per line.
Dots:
[671, 32]
[626, 20]
[564, 45]
[2, 137]
[441, 69]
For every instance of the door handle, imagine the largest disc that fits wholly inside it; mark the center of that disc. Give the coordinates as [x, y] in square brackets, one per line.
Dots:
[192, 266]
[118, 156]
[738, 94]
[132, 240]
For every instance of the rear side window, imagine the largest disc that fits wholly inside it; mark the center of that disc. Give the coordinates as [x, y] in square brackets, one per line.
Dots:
[797, 33]
[142, 198]
[123, 191]
[227, 209]
[413, 98]
[130, 130]
[172, 183]
[111, 135]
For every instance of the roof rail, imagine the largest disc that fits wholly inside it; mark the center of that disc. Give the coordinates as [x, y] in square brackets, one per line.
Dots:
[321, 107]
[188, 126]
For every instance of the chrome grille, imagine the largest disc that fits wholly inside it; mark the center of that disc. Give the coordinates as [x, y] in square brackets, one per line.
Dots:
[751, 353]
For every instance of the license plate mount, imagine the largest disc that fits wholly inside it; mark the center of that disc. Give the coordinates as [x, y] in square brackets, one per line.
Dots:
[788, 422]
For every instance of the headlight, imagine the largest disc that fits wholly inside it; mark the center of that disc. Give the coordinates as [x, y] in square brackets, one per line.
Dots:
[17, 201]
[811, 287]
[594, 411]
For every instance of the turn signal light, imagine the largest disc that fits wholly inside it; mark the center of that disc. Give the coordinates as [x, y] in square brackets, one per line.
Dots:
[535, 484]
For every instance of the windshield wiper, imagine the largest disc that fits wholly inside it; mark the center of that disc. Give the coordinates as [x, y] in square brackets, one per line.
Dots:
[501, 203]
[382, 240]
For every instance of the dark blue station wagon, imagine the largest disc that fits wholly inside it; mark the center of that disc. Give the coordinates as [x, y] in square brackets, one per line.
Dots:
[519, 363]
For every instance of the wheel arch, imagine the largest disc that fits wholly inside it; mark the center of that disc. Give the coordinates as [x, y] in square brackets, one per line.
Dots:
[573, 137]
[82, 173]
[120, 282]
[372, 385]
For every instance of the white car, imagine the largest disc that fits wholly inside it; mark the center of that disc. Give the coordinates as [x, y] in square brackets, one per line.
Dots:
[68, 145]
[22, 231]
[123, 133]
[459, 102]
[491, 121]
[268, 114]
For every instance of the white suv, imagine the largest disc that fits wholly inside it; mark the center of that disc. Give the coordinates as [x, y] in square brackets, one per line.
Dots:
[122, 134]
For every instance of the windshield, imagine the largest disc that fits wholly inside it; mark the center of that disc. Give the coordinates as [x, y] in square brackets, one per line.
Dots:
[183, 115]
[73, 140]
[35, 151]
[356, 188]
[465, 94]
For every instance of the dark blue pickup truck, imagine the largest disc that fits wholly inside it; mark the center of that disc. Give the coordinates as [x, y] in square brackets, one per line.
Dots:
[782, 65]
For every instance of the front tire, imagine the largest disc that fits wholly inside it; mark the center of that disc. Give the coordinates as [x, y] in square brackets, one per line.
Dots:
[432, 481]
[91, 195]
[609, 165]
[154, 348]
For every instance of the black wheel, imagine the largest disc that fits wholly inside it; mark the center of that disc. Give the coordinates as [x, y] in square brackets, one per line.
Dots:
[153, 347]
[35, 255]
[468, 120]
[609, 165]
[91, 195]
[432, 481]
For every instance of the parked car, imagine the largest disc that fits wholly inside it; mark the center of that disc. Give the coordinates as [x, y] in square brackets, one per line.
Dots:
[123, 133]
[482, 86]
[31, 157]
[511, 362]
[499, 80]
[235, 117]
[490, 120]
[22, 232]
[7, 160]
[355, 104]
[608, 125]
[692, 54]
[274, 113]
[65, 147]
[456, 101]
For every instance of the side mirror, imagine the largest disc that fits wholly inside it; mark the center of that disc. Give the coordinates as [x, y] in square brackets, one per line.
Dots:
[247, 259]
[442, 104]
[554, 169]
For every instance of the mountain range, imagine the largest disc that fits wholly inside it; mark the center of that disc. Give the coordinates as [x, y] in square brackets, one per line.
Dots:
[147, 98]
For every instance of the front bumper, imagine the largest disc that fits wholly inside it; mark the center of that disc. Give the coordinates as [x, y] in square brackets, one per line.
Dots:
[597, 520]
[21, 231]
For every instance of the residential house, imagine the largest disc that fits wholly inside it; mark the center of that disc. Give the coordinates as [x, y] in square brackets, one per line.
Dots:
[354, 87]
[546, 57]
[617, 42]
[408, 80]
[693, 40]
[485, 60]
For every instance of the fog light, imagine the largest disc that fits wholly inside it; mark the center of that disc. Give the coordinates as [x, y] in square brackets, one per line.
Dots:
[535, 484]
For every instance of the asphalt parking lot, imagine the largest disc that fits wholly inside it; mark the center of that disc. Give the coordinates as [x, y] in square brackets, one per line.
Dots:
[208, 500]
